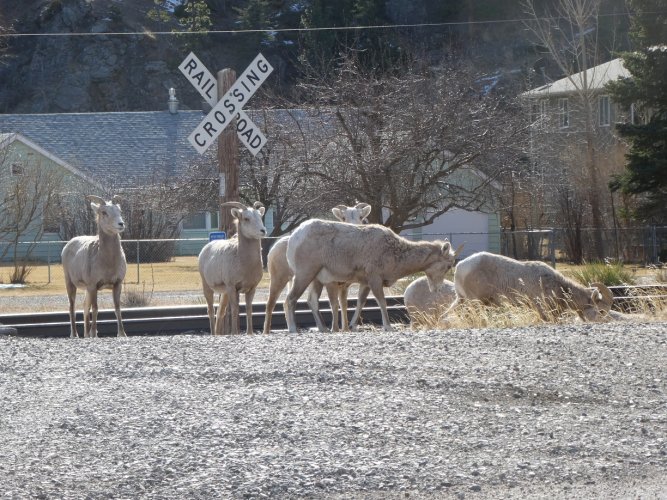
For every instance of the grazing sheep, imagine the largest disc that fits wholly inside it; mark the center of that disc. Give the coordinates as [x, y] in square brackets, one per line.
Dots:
[489, 277]
[371, 255]
[421, 301]
[234, 266]
[96, 262]
[281, 273]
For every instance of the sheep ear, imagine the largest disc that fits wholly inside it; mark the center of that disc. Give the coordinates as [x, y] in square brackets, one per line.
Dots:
[95, 202]
[338, 212]
[365, 211]
[261, 211]
[446, 246]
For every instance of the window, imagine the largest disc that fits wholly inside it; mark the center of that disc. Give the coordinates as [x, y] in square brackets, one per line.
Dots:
[16, 169]
[604, 110]
[195, 221]
[563, 113]
[538, 113]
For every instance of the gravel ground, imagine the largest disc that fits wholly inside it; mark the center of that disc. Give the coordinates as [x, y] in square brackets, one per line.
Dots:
[566, 411]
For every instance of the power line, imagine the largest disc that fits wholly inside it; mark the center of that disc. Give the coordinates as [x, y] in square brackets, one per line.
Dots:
[300, 30]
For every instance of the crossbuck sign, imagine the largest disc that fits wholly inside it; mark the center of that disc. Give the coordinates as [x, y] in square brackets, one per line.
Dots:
[229, 106]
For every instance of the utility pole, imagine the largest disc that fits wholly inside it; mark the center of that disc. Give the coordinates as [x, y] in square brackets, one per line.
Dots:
[228, 158]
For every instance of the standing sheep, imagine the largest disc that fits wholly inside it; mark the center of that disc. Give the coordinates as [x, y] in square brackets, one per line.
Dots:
[421, 301]
[281, 273]
[490, 278]
[234, 266]
[96, 262]
[371, 255]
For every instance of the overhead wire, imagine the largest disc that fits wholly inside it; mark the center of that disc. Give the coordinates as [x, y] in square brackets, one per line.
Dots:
[299, 30]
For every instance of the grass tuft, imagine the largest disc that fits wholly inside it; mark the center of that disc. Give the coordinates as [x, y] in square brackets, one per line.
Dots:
[612, 274]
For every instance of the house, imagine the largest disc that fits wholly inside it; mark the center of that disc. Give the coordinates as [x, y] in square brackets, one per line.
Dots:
[21, 159]
[128, 150]
[558, 104]
[573, 153]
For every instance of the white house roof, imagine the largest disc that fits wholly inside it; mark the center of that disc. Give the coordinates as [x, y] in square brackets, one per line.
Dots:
[596, 78]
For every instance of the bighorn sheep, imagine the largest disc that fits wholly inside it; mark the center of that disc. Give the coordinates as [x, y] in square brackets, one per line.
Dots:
[371, 255]
[96, 262]
[281, 273]
[420, 300]
[234, 266]
[489, 277]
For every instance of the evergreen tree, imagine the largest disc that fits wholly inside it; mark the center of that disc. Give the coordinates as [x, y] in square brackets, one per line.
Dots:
[645, 176]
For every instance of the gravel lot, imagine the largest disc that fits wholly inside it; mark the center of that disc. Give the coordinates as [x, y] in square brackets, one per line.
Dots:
[566, 411]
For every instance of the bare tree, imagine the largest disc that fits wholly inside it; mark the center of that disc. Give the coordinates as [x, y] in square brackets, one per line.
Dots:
[27, 193]
[276, 175]
[568, 30]
[403, 140]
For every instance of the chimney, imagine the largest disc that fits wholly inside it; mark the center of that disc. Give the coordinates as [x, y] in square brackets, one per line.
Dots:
[173, 102]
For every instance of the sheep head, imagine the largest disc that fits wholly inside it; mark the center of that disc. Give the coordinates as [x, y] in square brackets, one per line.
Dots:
[446, 258]
[108, 214]
[598, 304]
[353, 215]
[248, 219]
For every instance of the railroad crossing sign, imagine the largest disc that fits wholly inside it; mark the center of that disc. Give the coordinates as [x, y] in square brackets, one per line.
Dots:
[230, 106]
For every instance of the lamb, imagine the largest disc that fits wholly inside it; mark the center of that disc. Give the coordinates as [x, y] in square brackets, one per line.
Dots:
[420, 301]
[371, 255]
[234, 266]
[281, 273]
[96, 262]
[489, 277]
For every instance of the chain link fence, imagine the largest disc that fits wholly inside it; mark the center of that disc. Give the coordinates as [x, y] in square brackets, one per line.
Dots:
[171, 264]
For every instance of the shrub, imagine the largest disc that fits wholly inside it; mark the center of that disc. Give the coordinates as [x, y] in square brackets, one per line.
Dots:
[612, 274]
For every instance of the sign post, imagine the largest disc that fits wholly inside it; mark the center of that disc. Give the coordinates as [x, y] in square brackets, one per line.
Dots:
[227, 96]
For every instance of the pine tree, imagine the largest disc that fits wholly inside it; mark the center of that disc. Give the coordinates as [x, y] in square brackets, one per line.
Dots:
[645, 176]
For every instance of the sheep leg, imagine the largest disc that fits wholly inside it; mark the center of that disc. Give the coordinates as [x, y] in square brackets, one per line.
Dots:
[332, 292]
[378, 291]
[71, 295]
[208, 295]
[116, 305]
[90, 311]
[222, 308]
[299, 285]
[234, 311]
[249, 295]
[275, 288]
[364, 290]
[314, 293]
[342, 300]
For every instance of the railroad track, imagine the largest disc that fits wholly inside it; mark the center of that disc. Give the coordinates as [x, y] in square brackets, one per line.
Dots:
[173, 320]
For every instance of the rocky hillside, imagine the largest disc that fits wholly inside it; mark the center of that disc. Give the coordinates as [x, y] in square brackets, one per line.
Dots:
[98, 69]
[122, 55]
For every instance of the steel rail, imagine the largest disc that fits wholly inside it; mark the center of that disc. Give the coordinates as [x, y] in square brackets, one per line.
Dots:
[192, 319]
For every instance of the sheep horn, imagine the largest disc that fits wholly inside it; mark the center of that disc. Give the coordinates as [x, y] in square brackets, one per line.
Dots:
[458, 250]
[607, 296]
[96, 199]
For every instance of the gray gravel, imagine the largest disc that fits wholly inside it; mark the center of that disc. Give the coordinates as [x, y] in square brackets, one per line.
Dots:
[566, 411]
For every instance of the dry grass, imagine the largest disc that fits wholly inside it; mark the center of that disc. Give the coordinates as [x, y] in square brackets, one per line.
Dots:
[522, 312]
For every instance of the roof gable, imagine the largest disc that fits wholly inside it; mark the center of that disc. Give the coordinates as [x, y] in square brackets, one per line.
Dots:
[595, 78]
[8, 138]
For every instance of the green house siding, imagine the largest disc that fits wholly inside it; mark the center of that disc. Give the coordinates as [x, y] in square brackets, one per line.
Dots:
[18, 158]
